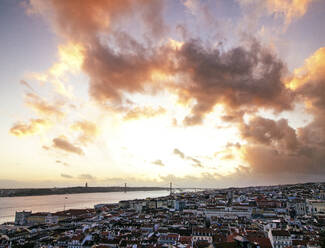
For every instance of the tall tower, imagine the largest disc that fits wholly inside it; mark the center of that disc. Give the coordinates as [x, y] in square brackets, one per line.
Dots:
[170, 188]
[124, 187]
[86, 185]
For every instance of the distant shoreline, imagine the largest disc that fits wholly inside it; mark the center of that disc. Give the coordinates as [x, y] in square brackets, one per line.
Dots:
[71, 190]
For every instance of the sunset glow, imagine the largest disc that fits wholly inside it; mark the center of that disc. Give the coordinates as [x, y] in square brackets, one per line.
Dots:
[148, 92]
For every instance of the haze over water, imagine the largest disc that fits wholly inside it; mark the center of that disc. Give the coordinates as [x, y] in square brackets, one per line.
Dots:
[53, 203]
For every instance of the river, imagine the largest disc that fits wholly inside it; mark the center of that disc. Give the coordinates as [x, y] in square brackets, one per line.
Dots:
[53, 203]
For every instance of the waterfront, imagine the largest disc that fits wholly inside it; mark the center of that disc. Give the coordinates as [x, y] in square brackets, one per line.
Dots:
[53, 203]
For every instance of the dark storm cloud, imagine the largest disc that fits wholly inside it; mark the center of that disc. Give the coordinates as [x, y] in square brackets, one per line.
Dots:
[239, 78]
[266, 131]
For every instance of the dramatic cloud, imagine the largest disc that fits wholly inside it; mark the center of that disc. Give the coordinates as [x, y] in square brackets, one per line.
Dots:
[88, 130]
[63, 144]
[97, 17]
[267, 131]
[110, 70]
[275, 148]
[34, 126]
[130, 69]
[308, 82]
[158, 162]
[311, 72]
[269, 161]
[243, 79]
[238, 78]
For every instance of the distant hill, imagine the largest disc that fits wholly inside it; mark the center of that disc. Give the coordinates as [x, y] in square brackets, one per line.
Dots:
[70, 190]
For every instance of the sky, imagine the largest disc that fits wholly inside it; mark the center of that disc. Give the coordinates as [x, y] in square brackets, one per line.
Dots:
[199, 93]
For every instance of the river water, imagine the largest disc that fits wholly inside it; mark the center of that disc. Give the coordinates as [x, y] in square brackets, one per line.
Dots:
[53, 203]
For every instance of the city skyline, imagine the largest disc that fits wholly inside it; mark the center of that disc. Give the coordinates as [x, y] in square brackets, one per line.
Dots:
[200, 93]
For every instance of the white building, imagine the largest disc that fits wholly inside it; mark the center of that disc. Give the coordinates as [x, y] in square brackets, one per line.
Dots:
[299, 206]
[316, 207]
[229, 211]
[202, 234]
[51, 219]
[280, 238]
[21, 217]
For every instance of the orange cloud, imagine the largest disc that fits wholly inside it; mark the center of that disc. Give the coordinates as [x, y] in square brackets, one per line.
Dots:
[35, 126]
[313, 69]
[63, 144]
[289, 9]
[70, 59]
[145, 112]
[88, 130]
[42, 107]
[228, 157]
[96, 16]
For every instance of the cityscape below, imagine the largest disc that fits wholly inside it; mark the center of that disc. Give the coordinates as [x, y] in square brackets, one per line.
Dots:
[261, 217]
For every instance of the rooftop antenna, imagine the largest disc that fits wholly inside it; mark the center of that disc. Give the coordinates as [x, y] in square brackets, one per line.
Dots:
[64, 203]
